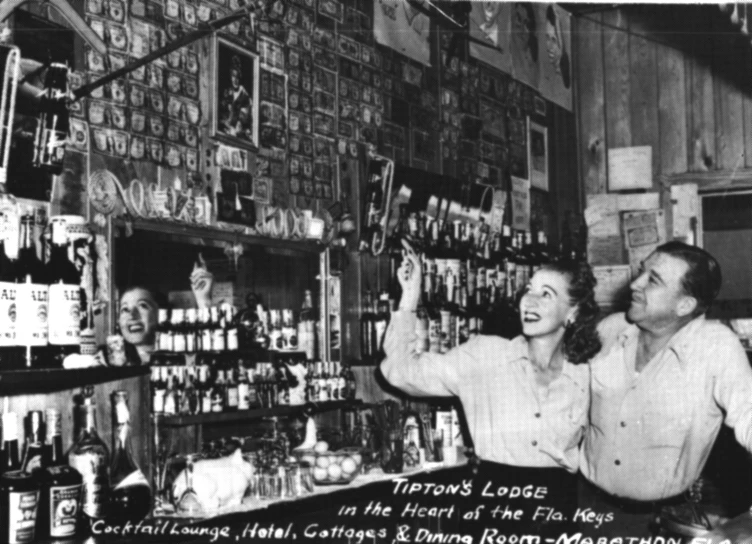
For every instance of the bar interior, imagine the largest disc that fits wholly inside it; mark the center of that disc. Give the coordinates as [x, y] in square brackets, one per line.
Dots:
[216, 214]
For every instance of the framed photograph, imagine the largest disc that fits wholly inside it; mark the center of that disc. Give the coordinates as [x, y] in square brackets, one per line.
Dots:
[537, 146]
[235, 97]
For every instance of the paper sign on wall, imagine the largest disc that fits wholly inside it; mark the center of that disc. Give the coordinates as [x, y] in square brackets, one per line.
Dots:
[612, 281]
[643, 232]
[630, 168]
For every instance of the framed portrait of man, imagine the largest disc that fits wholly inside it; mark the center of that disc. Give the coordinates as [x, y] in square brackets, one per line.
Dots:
[235, 95]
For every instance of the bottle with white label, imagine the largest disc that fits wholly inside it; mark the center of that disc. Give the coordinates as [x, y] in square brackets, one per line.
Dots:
[19, 491]
[60, 491]
[130, 496]
[11, 355]
[31, 298]
[90, 457]
[64, 329]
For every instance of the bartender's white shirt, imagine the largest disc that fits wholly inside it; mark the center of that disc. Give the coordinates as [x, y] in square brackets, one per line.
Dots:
[651, 433]
[511, 419]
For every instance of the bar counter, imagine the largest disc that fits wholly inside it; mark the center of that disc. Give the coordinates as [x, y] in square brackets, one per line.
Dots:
[354, 512]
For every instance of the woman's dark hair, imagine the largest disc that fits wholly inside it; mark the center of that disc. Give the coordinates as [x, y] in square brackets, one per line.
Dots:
[702, 280]
[160, 300]
[581, 340]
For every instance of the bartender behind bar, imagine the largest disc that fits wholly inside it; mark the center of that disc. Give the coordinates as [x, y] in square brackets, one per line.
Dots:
[664, 381]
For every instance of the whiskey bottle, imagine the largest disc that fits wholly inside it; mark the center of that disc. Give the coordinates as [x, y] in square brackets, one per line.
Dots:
[19, 491]
[130, 496]
[31, 298]
[90, 457]
[11, 355]
[65, 299]
[60, 486]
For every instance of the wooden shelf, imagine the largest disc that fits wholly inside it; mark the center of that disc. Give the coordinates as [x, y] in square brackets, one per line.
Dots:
[248, 415]
[204, 235]
[23, 382]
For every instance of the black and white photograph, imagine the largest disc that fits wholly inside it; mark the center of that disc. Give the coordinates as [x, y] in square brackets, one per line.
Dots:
[235, 94]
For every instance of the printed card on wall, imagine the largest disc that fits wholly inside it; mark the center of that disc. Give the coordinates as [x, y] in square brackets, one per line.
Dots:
[490, 24]
[554, 31]
[397, 24]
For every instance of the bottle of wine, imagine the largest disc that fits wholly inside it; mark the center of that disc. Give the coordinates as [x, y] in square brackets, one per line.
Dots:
[90, 457]
[34, 450]
[19, 491]
[11, 355]
[52, 128]
[60, 488]
[31, 298]
[130, 496]
[64, 298]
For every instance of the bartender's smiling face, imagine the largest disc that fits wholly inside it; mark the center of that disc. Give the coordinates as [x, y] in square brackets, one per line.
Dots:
[546, 306]
[658, 297]
[138, 317]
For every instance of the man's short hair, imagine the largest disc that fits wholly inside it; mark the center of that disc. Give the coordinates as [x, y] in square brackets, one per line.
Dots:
[703, 277]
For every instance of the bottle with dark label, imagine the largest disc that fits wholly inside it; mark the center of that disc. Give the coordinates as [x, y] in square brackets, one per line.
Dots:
[19, 491]
[60, 487]
[130, 496]
[31, 298]
[90, 457]
[34, 451]
[11, 355]
[64, 298]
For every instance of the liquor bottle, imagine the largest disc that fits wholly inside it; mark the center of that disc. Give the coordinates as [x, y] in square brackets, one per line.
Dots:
[218, 392]
[289, 330]
[204, 389]
[374, 196]
[307, 326]
[31, 298]
[163, 339]
[60, 488]
[53, 123]
[170, 399]
[130, 496]
[190, 331]
[158, 390]
[65, 298]
[230, 327]
[276, 340]
[350, 380]
[205, 328]
[283, 385]
[19, 491]
[232, 393]
[90, 457]
[380, 322]
[218, 342]
[11, 355]
[243, 387]
[34, 450]
[178, 330]
[366, 328]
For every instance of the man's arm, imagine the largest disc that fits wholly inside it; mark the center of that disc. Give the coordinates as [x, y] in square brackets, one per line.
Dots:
[732, 389]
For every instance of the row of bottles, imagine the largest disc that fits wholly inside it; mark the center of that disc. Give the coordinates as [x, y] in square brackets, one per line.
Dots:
[42, 306]
[44, 495]
[230, 387]
[471, 279]
[222, 328]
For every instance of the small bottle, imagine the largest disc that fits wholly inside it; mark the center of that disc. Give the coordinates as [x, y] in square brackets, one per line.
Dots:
[164, 332]
[60, 489]
[190, 331]
[243, 387]
[178, 330]
[19, 491]
[130, 496]
[90, 457]
[11, 355]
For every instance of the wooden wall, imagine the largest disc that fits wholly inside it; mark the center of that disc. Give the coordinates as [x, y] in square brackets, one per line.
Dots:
[673, 77]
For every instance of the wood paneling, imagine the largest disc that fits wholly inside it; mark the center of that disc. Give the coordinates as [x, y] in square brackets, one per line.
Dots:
[688, 95]
[588, 44]
[643, 81]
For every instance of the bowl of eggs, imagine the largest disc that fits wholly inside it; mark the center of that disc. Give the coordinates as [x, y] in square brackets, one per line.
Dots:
[332, 467]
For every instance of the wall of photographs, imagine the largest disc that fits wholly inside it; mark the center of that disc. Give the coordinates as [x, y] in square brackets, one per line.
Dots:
[317, 84]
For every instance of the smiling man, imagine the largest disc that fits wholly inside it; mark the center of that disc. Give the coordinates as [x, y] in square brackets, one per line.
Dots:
[663, 383]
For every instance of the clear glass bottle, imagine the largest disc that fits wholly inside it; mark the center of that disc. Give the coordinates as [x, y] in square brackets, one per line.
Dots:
[91, 458]
[130, 495]
[11, 355]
